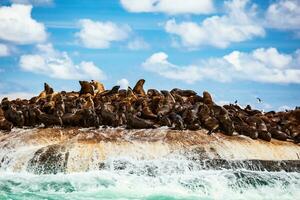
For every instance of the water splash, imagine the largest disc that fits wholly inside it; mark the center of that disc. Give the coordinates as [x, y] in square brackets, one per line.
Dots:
[124, 184]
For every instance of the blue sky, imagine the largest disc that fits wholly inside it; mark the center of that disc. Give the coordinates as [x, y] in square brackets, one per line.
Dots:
[236, 49]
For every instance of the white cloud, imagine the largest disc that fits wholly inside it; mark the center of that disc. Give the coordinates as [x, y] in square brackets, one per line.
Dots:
[260, 65]
[138, 44]
[237, 25]
[4, 50]
[99, 35]
[17, 25]
[284, 15]
[15, 95]
[124, 83]
[33, 2]
[56, 64]
[169, 6]
[158, 63]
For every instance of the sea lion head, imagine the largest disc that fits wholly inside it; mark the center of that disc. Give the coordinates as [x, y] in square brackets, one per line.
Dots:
[48, 89]
[207, 99]
[99, 87]
[86, 87]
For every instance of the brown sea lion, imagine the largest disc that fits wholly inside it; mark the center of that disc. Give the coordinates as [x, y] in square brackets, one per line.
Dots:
[177, 121]
[262, 130]
[211, 124]
[113, 91]
[165, 121]
[190, 116]
[98, 87]
[278, 134]
[5, 125]
[168, 97]
[49, 120]
[226, 124]
[138, 88]
[86, 88]
[12, 114]
[134, 122]
[244, 129]
[207, 99]
[153, 92]
[146, 111]
[184, 93]
[108, 115]
[47, 90]
[89, 103]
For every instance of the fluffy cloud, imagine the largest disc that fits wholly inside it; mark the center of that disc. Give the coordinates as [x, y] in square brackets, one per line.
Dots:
[237, 25]
[169, 6]
[33, 2]
[158, 63]
[99, 35]
[284, 15]
[4, 50]
[260, 65]
[56, 64]
[17, 25]
[138, 44]
[123, 83]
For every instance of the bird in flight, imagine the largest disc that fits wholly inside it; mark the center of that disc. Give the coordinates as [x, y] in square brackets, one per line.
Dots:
[259, 99]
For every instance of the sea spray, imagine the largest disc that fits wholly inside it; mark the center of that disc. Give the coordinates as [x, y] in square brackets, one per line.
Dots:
[167, 184]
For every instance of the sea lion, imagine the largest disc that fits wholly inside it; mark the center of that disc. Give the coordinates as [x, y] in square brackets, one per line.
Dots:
[184, 93]
[113, 91]
[168, 97]
[1, 113]
[177, 121]
[138, 88]
[153, 92]
[263, 130]
[108, 116]
[12, 114]
[226, 124]
[211, 124]
[49, 120]
[89, 118]
[279, 135]
[86, 88]
[89, 103]
[190, 117]
[146, 111]
[207, 99]
[134, 122]
[5, 125]
[47, 90]
[165, 121]
[244, 129]
[98, 87]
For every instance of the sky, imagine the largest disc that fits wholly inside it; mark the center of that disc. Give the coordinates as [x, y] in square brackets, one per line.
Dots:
[235, 49]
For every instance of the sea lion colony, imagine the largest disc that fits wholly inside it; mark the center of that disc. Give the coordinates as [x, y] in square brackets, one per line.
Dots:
[134, 108]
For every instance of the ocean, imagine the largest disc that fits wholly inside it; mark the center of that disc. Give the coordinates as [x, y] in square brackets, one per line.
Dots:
[166, 180]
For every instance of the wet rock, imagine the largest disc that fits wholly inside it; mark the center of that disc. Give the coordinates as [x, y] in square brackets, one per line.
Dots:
[51, 159]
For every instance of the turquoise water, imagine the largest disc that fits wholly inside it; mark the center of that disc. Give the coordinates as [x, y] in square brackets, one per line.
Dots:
[154, 184]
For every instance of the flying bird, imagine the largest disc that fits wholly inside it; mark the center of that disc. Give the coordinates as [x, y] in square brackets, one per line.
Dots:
[259, 99]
